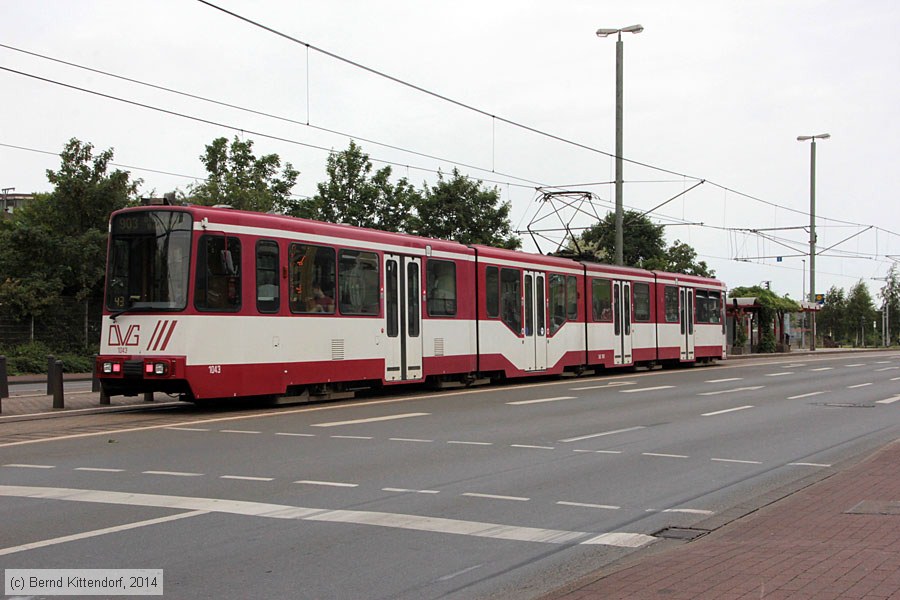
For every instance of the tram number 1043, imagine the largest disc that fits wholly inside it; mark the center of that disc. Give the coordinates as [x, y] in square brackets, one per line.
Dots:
[215, 369]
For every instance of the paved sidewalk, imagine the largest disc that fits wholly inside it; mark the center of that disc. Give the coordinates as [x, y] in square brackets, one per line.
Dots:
[76, 399]
[837, 539]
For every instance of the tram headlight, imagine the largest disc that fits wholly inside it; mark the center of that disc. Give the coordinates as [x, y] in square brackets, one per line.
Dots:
[107, 368]
[160, 368]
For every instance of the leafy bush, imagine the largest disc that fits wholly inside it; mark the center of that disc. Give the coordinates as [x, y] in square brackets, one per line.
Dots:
[32, 358]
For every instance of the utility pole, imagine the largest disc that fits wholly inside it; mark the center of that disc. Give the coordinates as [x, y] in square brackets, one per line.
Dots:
[812, 228]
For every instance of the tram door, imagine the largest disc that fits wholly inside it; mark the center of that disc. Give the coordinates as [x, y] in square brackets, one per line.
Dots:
[535, 321]
[686, 301]
[622, 323]
[403, 317]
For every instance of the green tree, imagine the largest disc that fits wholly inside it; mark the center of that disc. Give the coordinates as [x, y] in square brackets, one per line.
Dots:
[831, 320]
[644, 242]
[890, 296]
[56, 245]
[681, 258]
[241, 180]
[459, 208]
[861, 314]
[772, 307]
[355, 196]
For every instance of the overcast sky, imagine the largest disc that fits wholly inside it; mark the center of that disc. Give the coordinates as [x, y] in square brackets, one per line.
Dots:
[714, 90]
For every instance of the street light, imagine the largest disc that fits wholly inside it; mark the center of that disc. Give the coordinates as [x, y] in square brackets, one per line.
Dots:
[620, 239]
[812, 228]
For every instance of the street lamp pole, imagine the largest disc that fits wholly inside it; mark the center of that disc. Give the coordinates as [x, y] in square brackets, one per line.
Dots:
[812, 228]
[803, 295]
[620, 236]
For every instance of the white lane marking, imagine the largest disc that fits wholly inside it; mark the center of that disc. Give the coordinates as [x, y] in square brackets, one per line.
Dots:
[470, 443]
[587, 505]
[883, 362]
[856, 365]
[733, 390]
[805, 395]
[606, 385]
[237, 431]
[795, 365]
[24, 466]
[99, 470]
[187, 429]
[888, 400]
[887, 369]
[379, 519]
[495, 497]
[596, 435]
[371, 420]
[664, 455]
[724, 380]
[296, 434]
[458, 573]
[779, 374]
[687, 511]
[895, 378]
[172, 473]
[533, 447]
[411, 440]
[328, 483]
[351, 437]
[734, 460]
[600, 451]
[246, 478]
[859, 385]
[622, 540]
[541, 400]
[408, 491]
[823, 369]
[97, 532]
[647, 389]
[807, 464]
[727, 410]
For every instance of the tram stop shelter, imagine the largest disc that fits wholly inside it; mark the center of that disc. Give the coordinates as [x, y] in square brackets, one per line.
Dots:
[743, 320]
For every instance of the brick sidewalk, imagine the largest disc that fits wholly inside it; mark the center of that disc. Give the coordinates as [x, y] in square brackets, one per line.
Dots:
[837, 539]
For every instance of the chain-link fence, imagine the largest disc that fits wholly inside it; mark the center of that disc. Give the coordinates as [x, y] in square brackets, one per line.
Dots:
[74, 326]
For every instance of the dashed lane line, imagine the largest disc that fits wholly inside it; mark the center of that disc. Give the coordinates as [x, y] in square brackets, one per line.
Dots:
[286, 433]
[414, 440]
[540, 400]
[858, 385]
[527, 446]
[464, 443]
[99, 470]
[823, 369]
[371, 420]
[779, 374]
[356, 517]
[495, 497]
[601, 434]
[727, 410]
[888, 400]
[246, 478]
[725, 380]
[887, 369]
[187, 429]
[661, 455]
[173, 473]
[588, 505]
[809, 395]
[808, 464]
[238, 431]
[25, 466]
[733, 390]
[408, 491]
[735, 460]
[351, 437]
[328, 483]
[647, 389]
[98, 532]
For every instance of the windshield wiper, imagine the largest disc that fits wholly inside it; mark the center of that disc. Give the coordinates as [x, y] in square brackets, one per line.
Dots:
[118, 313]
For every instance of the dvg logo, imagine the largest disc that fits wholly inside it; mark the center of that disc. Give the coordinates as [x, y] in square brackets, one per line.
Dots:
[132, 335]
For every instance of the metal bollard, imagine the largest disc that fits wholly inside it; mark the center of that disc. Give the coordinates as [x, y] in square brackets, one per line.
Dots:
[4, 382]
[148, 396]
[104, 397]
[51, 360]
[55, 379]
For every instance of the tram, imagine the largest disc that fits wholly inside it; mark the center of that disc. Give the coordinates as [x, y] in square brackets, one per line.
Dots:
[212, 303]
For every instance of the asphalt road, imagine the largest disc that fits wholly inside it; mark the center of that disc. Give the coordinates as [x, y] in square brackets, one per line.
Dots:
[505, 492]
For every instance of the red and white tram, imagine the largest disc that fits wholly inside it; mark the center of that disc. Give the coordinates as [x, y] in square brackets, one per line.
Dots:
[217, 303]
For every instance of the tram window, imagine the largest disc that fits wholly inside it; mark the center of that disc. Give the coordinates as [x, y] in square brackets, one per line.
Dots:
[670, 296]
[441, 288]
[715, 307]
[641, 302]
[701, 298]
[413, 299]
[557, 302]
[511, 298]
[392, 298]
[492, 291]
[268, 298]
[601, 299]
[571, 298]
[311, 276]
[359, 282]
[218, 278]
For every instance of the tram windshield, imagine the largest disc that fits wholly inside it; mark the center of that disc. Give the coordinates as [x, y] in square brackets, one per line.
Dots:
[149, 257]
